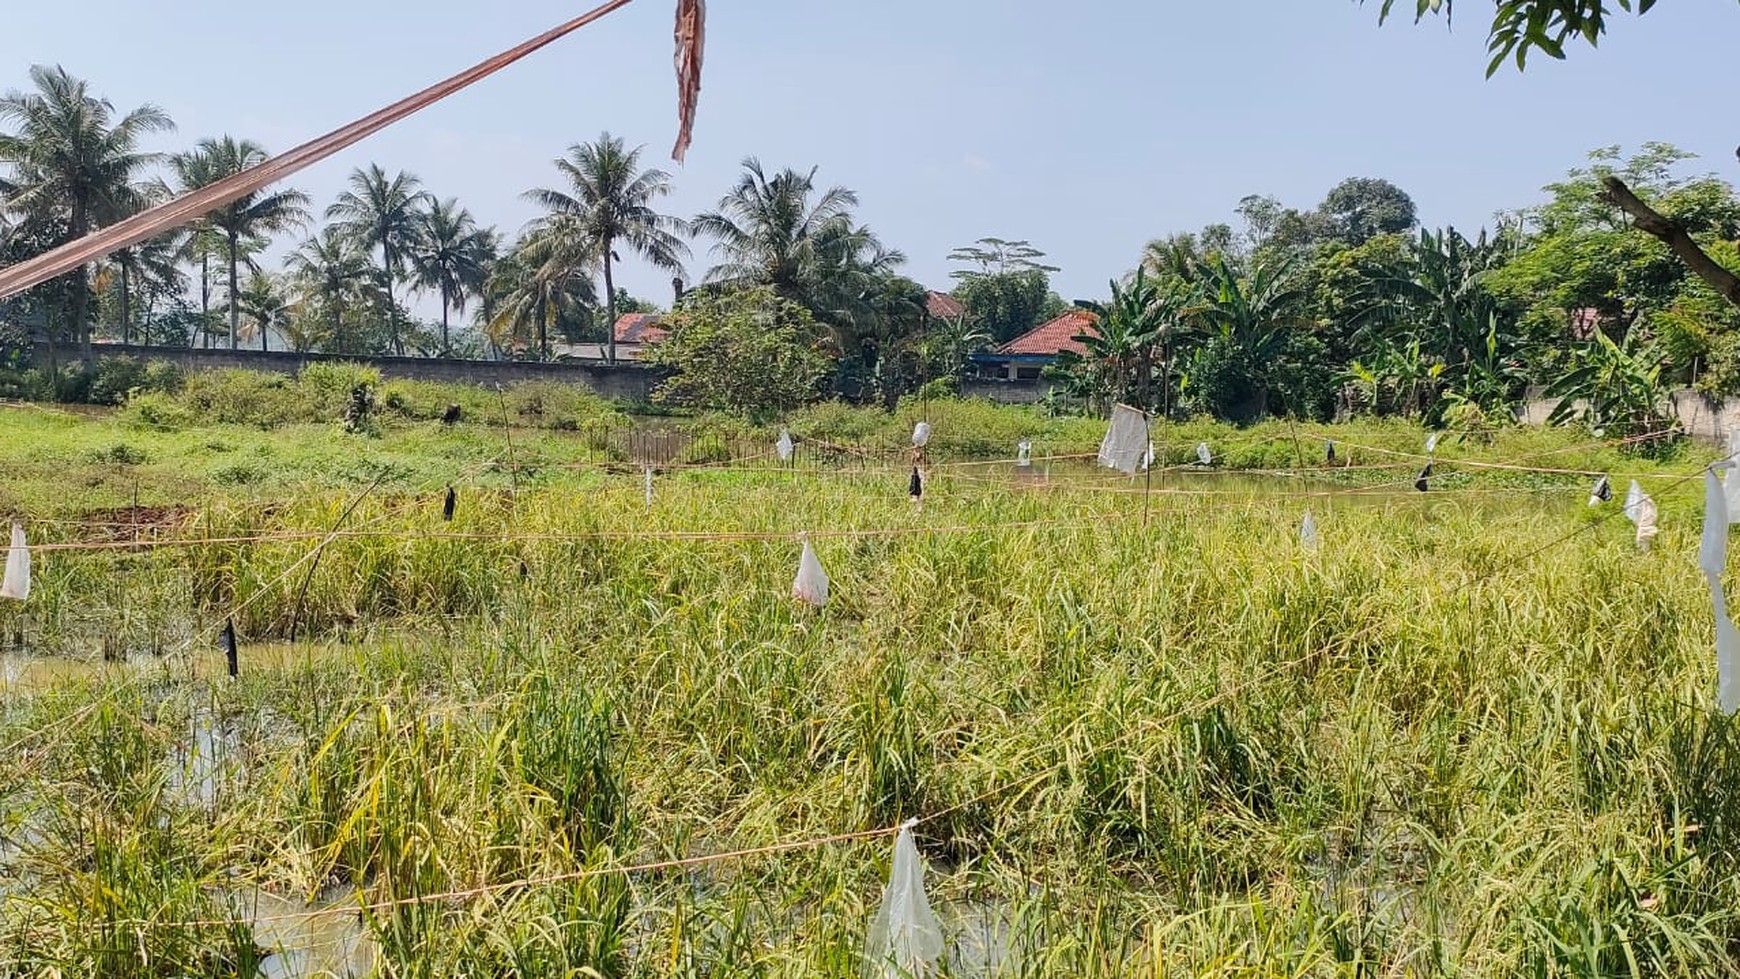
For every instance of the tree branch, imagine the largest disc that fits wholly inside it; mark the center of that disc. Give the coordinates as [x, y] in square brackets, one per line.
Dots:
[1652, 222]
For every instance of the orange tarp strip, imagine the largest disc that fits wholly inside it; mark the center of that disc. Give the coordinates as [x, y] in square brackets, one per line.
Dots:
[190, 207]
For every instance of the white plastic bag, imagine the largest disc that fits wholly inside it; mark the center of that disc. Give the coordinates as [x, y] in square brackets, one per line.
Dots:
[1602, 492]
[921, 434]
[1727, 661]
[1432, 443]
[1203, 455]
[1148, 457]
[16, 583]
[784, 446]
[1308, 532]
[1024, 453]
[905, 940]
[1634, 502]
[1713, 549]
[1126, 439]
[1646, 514]
[811, 584]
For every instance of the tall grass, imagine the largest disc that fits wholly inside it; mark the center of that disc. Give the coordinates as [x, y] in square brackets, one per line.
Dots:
[1472, 735]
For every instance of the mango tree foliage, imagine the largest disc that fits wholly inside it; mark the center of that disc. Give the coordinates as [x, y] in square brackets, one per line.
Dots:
[742, 350]
[1584, 261]
[1521, 26]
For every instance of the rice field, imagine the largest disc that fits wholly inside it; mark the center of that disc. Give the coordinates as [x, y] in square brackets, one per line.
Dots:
[1144, 728]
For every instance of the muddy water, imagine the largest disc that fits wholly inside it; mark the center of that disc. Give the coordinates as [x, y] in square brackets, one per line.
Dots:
[329, 945]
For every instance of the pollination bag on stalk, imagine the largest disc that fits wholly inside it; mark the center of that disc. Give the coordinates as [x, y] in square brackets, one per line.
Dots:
[649, 486]
[1203, 455]
[1731, 479]
[1727, 651]
[1148, 457]
[1308, 532]
[1432, 443]
[1727, 663]
[915, 488]
[921, 434]
[1024, 453]
[1126, 439]
[1633, 502]
[1423, 482]
[1713, 548]
[1329, 446]
[811, 584]
[1602, 492]
[448, 505]
[1646, 514]
[16, 583]
[905, 940]
[784, 446]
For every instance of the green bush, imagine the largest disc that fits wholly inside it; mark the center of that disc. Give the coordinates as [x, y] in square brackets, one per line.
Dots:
[24, 385]
[113, 377]
[163, 375]
[119, 454]
[327, 387]
[555, 405]
[244, 397]
[156, 410]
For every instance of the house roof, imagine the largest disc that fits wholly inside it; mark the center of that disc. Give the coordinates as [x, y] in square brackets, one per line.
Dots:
[943, 306]
[639, 328]
[1053, 338]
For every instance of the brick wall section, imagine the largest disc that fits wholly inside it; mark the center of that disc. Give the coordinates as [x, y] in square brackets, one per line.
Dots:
[632, 382]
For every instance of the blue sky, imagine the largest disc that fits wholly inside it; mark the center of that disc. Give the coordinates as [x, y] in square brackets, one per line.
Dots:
[1087, 127]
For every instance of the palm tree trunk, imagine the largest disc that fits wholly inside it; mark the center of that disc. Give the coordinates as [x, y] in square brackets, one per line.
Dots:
[609, 309]
[543, 334]
[126, 298]
[264, 330]
[446, 349]
[392, 308]
[205, 298]
[81, 300]
[235, 309]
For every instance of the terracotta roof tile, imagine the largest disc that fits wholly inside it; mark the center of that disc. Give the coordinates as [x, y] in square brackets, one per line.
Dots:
[943, 306]
[639, 328]
[1051, 339]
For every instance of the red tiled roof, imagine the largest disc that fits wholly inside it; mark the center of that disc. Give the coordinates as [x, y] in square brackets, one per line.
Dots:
[1051, 339]
[943, 306]
[639, 328]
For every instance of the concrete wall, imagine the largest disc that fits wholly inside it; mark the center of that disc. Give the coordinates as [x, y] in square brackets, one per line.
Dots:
[1006, 392]
[632, 382]
[1701, 417]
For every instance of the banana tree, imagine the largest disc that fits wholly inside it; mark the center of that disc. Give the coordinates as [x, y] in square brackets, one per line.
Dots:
[1615, 386]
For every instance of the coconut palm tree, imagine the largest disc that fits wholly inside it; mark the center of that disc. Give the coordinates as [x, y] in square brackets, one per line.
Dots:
[263, 302]
[329, 271]
[544, 283]
[452, 255]
[383, 212]
[72, 162]
[769, 231]
[610, 201]
[256, 215]
[150, 267]
[200, 242]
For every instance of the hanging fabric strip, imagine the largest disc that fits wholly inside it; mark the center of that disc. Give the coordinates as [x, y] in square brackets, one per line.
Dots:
[192, 206]
[691, 44]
